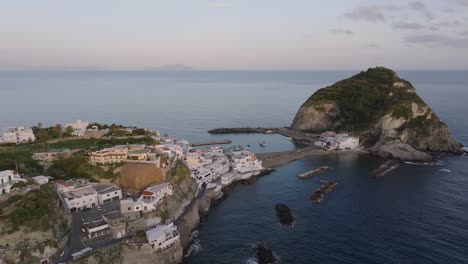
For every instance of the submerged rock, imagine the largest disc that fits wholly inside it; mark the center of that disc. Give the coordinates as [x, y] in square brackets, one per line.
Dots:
[284, 215]
[264, 254]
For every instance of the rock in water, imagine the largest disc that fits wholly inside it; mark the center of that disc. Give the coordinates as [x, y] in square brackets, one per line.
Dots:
[284, 215]
[264, 255]
[383, 110]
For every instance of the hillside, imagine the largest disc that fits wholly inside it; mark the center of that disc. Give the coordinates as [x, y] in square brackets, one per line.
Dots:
[381, 108]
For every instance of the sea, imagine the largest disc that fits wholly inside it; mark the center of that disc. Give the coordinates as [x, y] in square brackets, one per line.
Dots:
[417, 213]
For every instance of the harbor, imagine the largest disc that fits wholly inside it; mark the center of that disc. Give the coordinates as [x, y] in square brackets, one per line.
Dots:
[211, 142]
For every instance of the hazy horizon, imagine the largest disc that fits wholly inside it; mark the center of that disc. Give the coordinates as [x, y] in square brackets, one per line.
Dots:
[233, 35]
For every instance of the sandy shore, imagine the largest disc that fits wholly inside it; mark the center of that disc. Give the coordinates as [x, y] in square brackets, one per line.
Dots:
[274, 159]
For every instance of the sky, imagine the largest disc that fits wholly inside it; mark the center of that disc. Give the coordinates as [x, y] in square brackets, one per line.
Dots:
[233, 34]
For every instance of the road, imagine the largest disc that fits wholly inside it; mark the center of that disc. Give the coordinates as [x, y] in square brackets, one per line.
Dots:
[75, 243]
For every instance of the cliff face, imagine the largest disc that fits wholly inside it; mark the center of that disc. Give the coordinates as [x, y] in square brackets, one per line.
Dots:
[381, 108]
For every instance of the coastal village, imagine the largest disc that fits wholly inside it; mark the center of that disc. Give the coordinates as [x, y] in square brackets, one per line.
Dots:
[100, 213]
[95, 193]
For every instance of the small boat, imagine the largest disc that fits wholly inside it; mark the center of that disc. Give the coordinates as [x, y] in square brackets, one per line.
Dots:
[262, 143]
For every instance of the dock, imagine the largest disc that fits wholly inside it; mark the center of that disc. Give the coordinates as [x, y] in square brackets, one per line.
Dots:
[211, 142]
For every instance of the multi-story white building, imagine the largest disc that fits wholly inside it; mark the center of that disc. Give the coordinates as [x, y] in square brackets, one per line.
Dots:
[149, 200]
[130, 206]
[349, 143]
[332, 141]
[17, 135]
[96, 229]
[79, 127]
[107, 193]
[245, 164]
[7, 179]
[112, 155]
[152, 196]
[79, 194]
[80, 198]
[163, 237]
[118, 154]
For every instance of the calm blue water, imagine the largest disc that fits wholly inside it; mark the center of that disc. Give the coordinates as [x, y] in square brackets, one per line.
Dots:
[415, 214]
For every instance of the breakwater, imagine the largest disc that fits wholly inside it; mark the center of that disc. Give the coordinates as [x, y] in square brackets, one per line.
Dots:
[242, 130]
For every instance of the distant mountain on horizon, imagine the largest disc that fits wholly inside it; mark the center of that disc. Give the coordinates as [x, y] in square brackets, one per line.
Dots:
[171, 67]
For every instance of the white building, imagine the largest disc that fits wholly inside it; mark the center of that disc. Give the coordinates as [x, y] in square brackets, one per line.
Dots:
[118, 154]
[63, 186]
[7, 179]
[163, 237]
[245, 164]
[17, 135]
[107, 193]
[349, 143]
[80, 198]
[154, 195]
[130, 206]
[79, 127]
[112, 155]
[332, 141]
[41, 180]
[96, 229]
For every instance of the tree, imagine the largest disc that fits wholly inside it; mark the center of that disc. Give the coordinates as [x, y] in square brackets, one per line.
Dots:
[39, 125]
[139, 132]
[57, 131]
[68, 131]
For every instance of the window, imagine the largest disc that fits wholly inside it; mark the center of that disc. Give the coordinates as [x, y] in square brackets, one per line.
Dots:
[129, 208]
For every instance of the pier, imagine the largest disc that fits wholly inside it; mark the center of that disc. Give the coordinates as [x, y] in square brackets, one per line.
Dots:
[211, 142]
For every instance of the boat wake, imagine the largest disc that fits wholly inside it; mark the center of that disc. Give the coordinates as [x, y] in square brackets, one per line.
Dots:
[445, 170]
[433, 163]
[251, 261]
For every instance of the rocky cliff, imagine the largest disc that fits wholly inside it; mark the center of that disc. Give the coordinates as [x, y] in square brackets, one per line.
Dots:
[384, 110]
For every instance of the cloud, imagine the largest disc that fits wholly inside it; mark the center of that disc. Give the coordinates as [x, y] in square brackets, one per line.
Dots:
[371, 13]
[422, 9]
[439, 40]
[373, 45]
[461, 2]
[464, 33]
[342, 31]
[407, 26]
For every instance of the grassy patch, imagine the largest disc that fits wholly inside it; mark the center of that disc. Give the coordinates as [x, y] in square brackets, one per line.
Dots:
[35, 210]
[78, 167]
